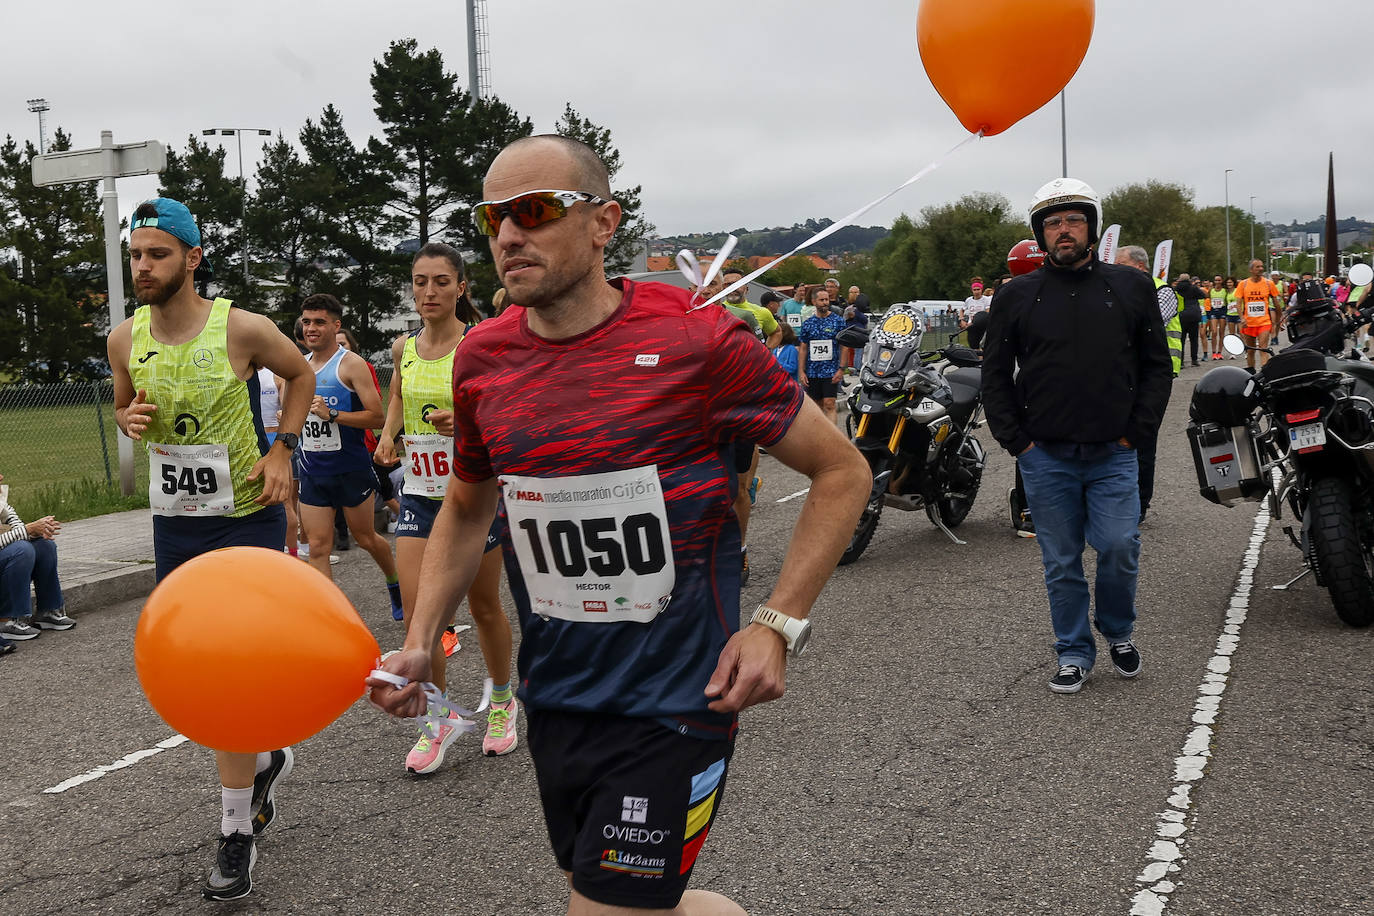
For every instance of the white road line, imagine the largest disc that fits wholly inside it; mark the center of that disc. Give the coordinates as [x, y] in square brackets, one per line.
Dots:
[1165, 860]
[795, 495]
[127, 760]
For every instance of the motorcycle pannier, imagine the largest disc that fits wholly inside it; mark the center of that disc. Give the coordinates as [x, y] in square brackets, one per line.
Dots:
[1228, 467]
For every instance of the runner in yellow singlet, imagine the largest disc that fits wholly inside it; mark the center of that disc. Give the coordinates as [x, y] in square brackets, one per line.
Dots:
[186, 383]
[422, 398]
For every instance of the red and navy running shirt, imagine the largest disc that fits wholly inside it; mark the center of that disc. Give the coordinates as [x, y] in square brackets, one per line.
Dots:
[613, 453]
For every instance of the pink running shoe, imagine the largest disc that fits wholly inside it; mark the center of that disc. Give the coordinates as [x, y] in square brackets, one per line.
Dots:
[501, 736]
[428, 753]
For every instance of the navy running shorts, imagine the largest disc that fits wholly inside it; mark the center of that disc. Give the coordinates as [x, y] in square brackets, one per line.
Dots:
[177, 539]
[628, 802]
[417, 520]
[338, 491]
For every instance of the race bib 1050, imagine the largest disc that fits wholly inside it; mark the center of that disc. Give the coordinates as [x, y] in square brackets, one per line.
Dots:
[593, 548]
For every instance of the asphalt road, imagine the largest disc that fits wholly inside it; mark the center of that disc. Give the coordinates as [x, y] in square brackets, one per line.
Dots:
[917, 765]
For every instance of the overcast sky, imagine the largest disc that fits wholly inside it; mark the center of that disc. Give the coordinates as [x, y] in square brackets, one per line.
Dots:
[757, 113]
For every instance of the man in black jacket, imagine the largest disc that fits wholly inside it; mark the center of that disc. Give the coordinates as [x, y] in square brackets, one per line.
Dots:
[1190, 314]
[1094, 378]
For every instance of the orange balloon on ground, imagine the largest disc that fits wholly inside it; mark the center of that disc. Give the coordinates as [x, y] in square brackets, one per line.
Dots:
[996, 61]
[247, 649]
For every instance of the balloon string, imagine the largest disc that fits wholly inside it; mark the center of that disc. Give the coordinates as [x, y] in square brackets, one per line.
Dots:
[835, 226]
[437, 701]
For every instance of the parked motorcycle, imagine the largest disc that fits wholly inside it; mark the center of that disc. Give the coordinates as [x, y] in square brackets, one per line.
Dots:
[1309, 415]
[916, 412]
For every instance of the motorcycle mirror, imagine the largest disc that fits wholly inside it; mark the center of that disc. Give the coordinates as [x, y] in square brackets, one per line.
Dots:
[1233, 344]
[1361, 275]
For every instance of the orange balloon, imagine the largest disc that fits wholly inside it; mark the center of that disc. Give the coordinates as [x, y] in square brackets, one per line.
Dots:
[996, 61]
[247, 649]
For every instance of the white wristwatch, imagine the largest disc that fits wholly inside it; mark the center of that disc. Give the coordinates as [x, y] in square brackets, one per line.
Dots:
[793, 629]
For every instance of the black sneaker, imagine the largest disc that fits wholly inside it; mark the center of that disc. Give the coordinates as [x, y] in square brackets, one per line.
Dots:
[52, 620]
[265, 788]
[232, 876]
[1069, 679]
[6, 647]
[1125, 658]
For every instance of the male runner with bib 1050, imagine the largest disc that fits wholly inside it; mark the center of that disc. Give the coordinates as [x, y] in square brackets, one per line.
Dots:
[606, 413]
[186, 383]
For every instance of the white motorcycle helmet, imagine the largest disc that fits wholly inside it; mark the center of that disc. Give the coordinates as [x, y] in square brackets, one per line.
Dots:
[1065, 194]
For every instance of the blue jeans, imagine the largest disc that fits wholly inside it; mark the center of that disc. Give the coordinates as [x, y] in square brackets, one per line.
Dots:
[21, 563]
[1073, 500]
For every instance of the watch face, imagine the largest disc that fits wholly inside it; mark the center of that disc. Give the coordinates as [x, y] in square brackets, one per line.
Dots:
[802, 638]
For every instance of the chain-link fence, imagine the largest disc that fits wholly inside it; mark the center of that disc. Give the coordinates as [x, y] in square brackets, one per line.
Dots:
[59, 434]
[65, 433]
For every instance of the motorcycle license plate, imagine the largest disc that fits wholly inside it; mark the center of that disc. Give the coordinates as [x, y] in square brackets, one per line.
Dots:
[1308, 435]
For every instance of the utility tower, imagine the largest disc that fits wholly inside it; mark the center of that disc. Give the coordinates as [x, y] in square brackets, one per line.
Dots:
[40, 108]
[479, 58]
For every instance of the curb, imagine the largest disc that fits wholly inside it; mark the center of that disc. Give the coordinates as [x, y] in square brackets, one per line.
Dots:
[100, 592]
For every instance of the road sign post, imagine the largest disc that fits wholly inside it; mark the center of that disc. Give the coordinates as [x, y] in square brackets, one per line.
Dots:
[107, 162]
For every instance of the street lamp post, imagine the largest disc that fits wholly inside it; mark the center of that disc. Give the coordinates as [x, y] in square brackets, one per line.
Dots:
[1226, 178]
[1252, 227]
[237, 132]
[1268, 252]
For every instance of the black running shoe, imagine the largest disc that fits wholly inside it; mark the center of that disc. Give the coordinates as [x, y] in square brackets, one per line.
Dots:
[1125, 658]
[232, 876]
[265, 788]
[1069, 679]
[6, 647]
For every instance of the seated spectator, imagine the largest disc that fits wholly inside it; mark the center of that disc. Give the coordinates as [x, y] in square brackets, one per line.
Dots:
[28, 555]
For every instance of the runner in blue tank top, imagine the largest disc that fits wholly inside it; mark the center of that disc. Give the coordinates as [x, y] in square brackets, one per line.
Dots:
[336, 468]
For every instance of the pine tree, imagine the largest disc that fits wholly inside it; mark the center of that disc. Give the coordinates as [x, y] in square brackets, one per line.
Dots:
[196, 178]
[351, 189]
[634, 228]
[53, 312]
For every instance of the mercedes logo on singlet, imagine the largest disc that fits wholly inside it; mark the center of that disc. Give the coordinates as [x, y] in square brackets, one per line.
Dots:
[201, 358]
[147, 356]
[183, 425]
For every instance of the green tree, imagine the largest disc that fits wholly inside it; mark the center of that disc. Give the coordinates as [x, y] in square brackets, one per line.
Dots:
[52, 284]
[794, 270]
[634, 228]
[1154, 211]
[196, 178]
[894, 263]
[351, 190]
[285, 224]
[860, 270]
[486, 129]
[421, 109]
[968, 238]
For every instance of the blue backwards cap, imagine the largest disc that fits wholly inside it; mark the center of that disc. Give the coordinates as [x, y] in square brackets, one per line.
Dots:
[173, 218]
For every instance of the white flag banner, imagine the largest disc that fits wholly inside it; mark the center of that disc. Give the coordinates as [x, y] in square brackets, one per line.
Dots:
[1163, 252]
[1106, 249]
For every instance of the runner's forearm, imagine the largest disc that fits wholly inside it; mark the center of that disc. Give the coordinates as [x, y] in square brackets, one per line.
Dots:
[827, 517]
